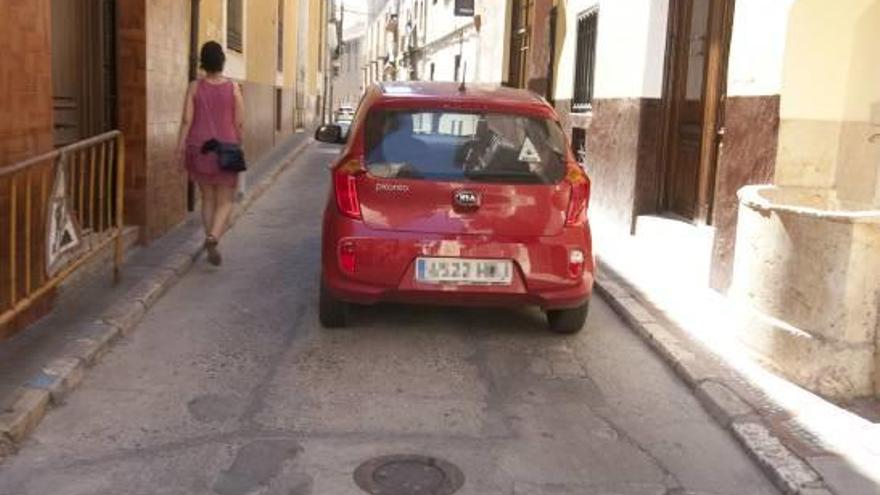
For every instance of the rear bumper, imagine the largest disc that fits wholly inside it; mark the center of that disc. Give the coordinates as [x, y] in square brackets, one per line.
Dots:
[360, 293]
[385, 267]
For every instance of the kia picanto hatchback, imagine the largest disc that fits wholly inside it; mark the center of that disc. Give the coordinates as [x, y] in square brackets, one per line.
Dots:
[456, 196]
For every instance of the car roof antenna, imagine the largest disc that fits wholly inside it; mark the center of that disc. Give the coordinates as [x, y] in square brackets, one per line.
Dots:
[463, 88]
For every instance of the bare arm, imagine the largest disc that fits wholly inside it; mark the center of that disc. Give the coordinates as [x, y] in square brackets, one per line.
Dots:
[186, 120]
[239, 111]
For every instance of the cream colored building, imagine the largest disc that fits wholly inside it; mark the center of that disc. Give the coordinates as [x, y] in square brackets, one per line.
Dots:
[425, 40]
[275, 50]
[759, 124]
[348, 81]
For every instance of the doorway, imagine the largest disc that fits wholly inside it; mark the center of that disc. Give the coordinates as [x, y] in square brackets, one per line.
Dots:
[694, 88]
[83, 68]
[520, 42]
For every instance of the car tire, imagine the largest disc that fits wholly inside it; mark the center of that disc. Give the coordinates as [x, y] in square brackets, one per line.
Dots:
[568, 321]
[332, 312]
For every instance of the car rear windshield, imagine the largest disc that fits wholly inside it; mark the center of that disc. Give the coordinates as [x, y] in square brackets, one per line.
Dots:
[464, 146]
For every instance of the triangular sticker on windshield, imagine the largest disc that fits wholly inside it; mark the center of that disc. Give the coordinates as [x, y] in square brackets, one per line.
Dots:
[528, 153]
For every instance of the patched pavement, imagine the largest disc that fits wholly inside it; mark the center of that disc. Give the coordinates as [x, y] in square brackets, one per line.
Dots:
[231, 387]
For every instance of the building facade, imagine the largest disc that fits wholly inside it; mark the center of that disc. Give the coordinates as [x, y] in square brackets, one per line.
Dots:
[281, 76]
[678, 107]
[426, 40]
[77, 68]
[682, 109]
[348, 60]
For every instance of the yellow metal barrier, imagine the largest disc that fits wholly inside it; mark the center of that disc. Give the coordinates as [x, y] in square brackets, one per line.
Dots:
[58, 210]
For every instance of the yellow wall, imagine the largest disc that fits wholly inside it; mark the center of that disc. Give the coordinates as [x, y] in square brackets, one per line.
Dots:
[831, 99]
[314, 25]
[260, 46]
[291, 9]
[824, 60]
[258, 62]
[863, 85]
[211, 21]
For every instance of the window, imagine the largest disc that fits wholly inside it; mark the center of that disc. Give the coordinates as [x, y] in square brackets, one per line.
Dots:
[280, 35]
[279, 99]
[457, 67]
[234, 25]
[432, 71]
[585, 61]
[444, 146]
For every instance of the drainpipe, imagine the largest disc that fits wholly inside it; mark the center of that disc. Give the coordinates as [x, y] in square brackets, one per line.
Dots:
[193, 74]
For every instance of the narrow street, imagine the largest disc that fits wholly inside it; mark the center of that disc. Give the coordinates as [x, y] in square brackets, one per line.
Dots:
[231, 387]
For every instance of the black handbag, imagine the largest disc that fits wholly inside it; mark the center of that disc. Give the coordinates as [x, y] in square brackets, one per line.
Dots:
[230, 156]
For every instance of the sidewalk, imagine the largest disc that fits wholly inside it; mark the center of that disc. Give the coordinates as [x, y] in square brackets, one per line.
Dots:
[45, 361]
[658, 281]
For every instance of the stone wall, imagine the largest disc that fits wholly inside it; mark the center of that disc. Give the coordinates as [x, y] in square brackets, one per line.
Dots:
[259, 115]
[747, 156]
[167, 29]
[132, 105]
[25, 80]
[153, 70]
[25, 119]
[623, 158]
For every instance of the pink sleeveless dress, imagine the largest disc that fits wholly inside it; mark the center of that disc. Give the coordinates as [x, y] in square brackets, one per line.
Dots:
[219, 100]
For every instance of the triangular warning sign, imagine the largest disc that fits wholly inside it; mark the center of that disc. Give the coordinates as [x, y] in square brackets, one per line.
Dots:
[528, 153]
[63, 237]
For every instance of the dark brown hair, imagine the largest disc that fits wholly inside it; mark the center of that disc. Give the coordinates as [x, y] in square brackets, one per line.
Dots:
[211, 57]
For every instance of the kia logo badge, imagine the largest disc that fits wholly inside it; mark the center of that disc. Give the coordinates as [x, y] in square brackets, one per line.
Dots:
[467, 199]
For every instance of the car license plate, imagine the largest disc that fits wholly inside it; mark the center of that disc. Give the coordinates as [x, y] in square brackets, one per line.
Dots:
[464, 271]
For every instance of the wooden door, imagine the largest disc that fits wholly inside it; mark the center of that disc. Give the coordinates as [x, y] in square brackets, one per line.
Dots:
[520, 41]
[67, 77]
[83, 68]
[696, 67]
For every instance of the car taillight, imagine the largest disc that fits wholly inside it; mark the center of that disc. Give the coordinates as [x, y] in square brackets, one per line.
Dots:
[576, 263]
[580, 195]
[347, 256]
[345, 188]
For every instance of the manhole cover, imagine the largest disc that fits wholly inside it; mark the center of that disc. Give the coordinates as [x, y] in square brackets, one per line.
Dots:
[408, 475]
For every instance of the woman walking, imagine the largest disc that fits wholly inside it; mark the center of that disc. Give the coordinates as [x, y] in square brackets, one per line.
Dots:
[213, 110]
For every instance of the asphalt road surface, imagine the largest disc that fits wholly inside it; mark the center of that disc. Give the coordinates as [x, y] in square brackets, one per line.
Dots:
[230, 387]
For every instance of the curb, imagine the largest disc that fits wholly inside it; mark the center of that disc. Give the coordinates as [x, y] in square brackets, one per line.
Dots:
[59, 377]
[718, 388]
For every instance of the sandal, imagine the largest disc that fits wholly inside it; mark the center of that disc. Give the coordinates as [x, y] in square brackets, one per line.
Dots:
[214, 257]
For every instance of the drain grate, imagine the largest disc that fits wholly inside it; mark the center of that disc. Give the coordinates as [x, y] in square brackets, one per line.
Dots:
[408, 475]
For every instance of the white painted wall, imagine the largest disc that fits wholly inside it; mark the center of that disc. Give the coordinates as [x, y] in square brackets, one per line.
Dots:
[348, 86]
[490, 66]
[631, 47]
[566, 43]
[482, 52]
[757, 47]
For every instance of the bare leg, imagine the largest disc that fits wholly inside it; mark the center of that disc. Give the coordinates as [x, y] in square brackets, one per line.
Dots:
[208, 206]
[222, 210]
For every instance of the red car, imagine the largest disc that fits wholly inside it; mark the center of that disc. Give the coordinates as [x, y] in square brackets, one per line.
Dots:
[456, 196]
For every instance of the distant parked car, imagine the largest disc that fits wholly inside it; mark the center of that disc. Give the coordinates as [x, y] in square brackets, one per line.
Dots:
[343, 118]
[456, 197]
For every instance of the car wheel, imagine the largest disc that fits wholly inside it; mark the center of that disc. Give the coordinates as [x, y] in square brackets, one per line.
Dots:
[332, 312]
[568, 321]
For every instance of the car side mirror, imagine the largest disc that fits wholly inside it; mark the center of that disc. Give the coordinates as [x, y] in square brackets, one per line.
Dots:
[329, 133]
